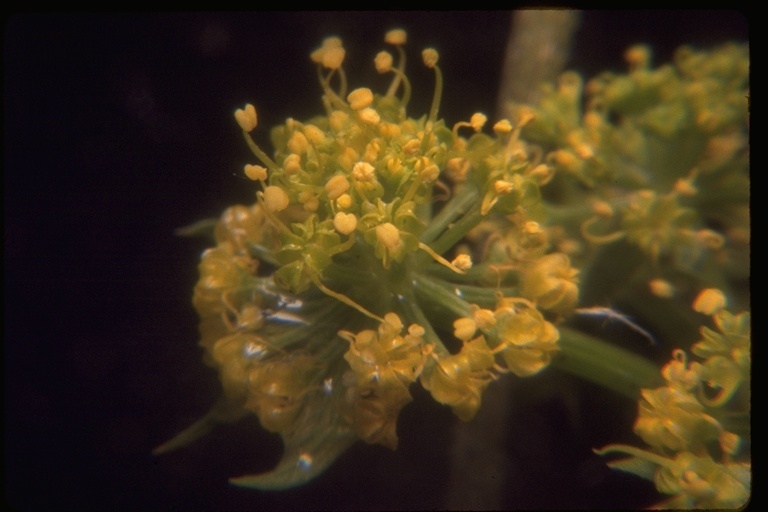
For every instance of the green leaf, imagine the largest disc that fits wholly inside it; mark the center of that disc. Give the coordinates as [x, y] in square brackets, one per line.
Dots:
[635, 465]
[318, 438]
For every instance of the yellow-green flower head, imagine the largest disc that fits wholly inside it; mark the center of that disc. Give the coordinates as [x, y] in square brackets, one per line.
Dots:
[330, 54]
[303, 297]
[459, 380]
[552, 283]
[674, 419]
[698, 482]
[528, 340]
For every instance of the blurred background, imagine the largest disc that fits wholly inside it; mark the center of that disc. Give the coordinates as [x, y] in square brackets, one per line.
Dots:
[118, 129]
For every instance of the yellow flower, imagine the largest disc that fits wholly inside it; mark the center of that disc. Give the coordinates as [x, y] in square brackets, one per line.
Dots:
[528, 339]
[672, 418]
[459, 380]
[552, 283]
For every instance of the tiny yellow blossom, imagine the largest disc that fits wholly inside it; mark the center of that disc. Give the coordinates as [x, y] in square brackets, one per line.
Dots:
[383, 62]
[275, 199]
[314, 134]
[430, 57]
[388, 235]
[292, 164]
[396, 36]
[464, 328]
[462, 262]
[298, 143]
[477, 121]
[363, 171]
[330, 54]
[661, 288]
[345, 223]
[247, 118]
[369, 116]
[336, 186]
[344, 201]
[484, 318]
[503, 187]
[338, 120]
[360, 98]
[255, 172]
[502, 127]
[709, 301]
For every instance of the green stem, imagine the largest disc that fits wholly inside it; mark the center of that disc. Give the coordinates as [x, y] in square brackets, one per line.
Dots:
[457, 231]
[457, 206]
[604, 364]
[437, 293]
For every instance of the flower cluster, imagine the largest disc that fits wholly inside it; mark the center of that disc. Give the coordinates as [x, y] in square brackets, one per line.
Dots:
[662, 152]
[695, 456]
[365, 218]
[384, 251]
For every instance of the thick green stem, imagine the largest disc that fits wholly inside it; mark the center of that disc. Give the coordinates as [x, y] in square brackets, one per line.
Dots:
[604, 364]
[457, 206]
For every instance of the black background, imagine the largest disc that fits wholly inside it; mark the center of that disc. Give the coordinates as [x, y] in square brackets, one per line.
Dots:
[118, 129]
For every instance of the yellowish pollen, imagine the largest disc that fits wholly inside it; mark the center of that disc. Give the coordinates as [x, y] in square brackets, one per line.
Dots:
[462, 262]
[298, 143]
[430, 173]
[247, 118]
[338, 120]
[602, 208]
[710, 239]
[584, 151]
[360, 98]
[309, 201]
[314, 134]
[388, 235]
[464, 328]
[457, 169]
[348, 158]
[503, 187]
[661, 288]
[396, 36]
[275, 199]
[256, 172]
[372, 151]
[484, 318]
[502, 127]
[685, 187]
[336, 186]
[389, 130]
[383, 62]
[412, 147]
[345, 223]
[477, 121]
[344, 201]
[369, 116]
[292, 164]
[709, 301]
[363, 171]
[330, 54]
[532, 228]
[430, 57]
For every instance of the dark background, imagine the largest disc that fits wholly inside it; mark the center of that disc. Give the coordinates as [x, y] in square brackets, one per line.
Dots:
[118, 129]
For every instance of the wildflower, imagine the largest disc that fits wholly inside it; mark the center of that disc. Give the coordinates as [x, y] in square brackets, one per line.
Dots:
[459, 380]
[552, 283]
